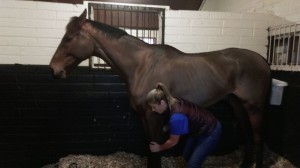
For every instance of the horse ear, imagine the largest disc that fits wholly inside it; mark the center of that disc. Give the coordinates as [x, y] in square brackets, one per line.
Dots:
[82, 17]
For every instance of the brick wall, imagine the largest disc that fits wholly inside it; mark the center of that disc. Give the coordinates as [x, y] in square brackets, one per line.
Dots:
[30, 31]
[198, 31]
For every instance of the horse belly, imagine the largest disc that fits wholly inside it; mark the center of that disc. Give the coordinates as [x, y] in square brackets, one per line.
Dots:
[201, 93]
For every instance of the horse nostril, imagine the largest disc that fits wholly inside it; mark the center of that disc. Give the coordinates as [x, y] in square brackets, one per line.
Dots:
[51, 70]
[56, 73]
[61, 73]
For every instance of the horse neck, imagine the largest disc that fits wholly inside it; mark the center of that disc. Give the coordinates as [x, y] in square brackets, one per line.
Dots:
[124, 54]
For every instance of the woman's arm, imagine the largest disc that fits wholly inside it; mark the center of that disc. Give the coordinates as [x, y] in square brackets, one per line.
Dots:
[172, 141]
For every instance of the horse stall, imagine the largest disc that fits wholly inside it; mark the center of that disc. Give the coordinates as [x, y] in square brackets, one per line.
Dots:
[86, 119]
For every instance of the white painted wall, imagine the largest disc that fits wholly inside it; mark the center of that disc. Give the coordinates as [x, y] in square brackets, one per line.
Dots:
[30, 31]
[194, 31]
[288, 9]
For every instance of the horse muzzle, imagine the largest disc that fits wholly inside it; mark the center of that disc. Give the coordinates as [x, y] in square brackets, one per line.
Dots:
[58, 73]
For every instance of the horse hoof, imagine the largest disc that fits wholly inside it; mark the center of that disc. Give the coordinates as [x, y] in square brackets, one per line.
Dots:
[246, 165]
[73, 165]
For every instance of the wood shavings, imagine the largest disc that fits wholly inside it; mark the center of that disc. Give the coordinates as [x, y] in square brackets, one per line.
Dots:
[129, 160]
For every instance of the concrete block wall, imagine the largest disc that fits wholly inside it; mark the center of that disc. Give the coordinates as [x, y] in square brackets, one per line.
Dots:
[194, 31]
[30, 31]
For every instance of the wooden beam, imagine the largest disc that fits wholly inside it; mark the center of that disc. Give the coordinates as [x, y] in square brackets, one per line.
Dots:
[174, 4]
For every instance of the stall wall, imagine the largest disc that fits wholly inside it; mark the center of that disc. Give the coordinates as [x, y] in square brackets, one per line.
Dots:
[43, 119]
[283, 120]
[288, 9]
[30, 31]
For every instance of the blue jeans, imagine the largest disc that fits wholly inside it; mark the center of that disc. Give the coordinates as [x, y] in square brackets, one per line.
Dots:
[197, 148]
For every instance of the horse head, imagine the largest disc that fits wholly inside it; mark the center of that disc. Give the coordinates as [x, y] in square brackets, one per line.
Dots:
[74, 47]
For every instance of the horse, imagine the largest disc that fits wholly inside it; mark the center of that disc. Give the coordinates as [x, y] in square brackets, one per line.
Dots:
[239, 76]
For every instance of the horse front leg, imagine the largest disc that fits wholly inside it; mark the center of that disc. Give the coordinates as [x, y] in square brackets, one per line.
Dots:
[153, 125]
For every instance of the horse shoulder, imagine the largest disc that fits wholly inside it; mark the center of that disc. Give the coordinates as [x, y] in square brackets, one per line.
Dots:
[154, 64]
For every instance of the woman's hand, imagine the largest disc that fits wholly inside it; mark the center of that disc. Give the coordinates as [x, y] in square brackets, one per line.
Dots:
[154, 147]
[172, 141]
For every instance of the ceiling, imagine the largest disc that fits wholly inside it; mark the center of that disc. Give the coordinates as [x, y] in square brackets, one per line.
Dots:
[174, 4]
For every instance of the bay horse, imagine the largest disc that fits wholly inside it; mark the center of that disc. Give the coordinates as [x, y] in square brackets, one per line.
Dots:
[238, 76]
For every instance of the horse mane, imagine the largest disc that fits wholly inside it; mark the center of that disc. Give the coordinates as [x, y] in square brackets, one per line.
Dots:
[74, 25]
[110, 30]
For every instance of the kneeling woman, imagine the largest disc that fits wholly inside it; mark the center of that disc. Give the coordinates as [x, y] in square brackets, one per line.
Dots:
[203, 128]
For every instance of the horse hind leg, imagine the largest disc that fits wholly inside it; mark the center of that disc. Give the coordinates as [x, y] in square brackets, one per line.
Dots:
[245, 126]
[256, 120]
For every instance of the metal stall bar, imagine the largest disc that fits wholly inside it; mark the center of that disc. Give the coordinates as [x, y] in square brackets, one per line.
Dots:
[293, 48]
[283, 51]
[298, 46]
[274, 49]
[282, 54]
[288, 37]
[269, 46]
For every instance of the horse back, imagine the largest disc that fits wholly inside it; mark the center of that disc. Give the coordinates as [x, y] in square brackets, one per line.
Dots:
[203, 78]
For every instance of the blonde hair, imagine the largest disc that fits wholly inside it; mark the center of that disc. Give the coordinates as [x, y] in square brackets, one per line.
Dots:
[161, 92]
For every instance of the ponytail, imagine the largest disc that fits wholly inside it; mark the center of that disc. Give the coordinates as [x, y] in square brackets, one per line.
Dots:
[161, 92]
[165, 90]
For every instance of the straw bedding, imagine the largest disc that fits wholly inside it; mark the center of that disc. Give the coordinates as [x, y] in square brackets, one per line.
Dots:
[129, 160]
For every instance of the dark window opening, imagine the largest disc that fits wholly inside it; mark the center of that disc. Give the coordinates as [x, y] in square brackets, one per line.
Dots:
[145, 23]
